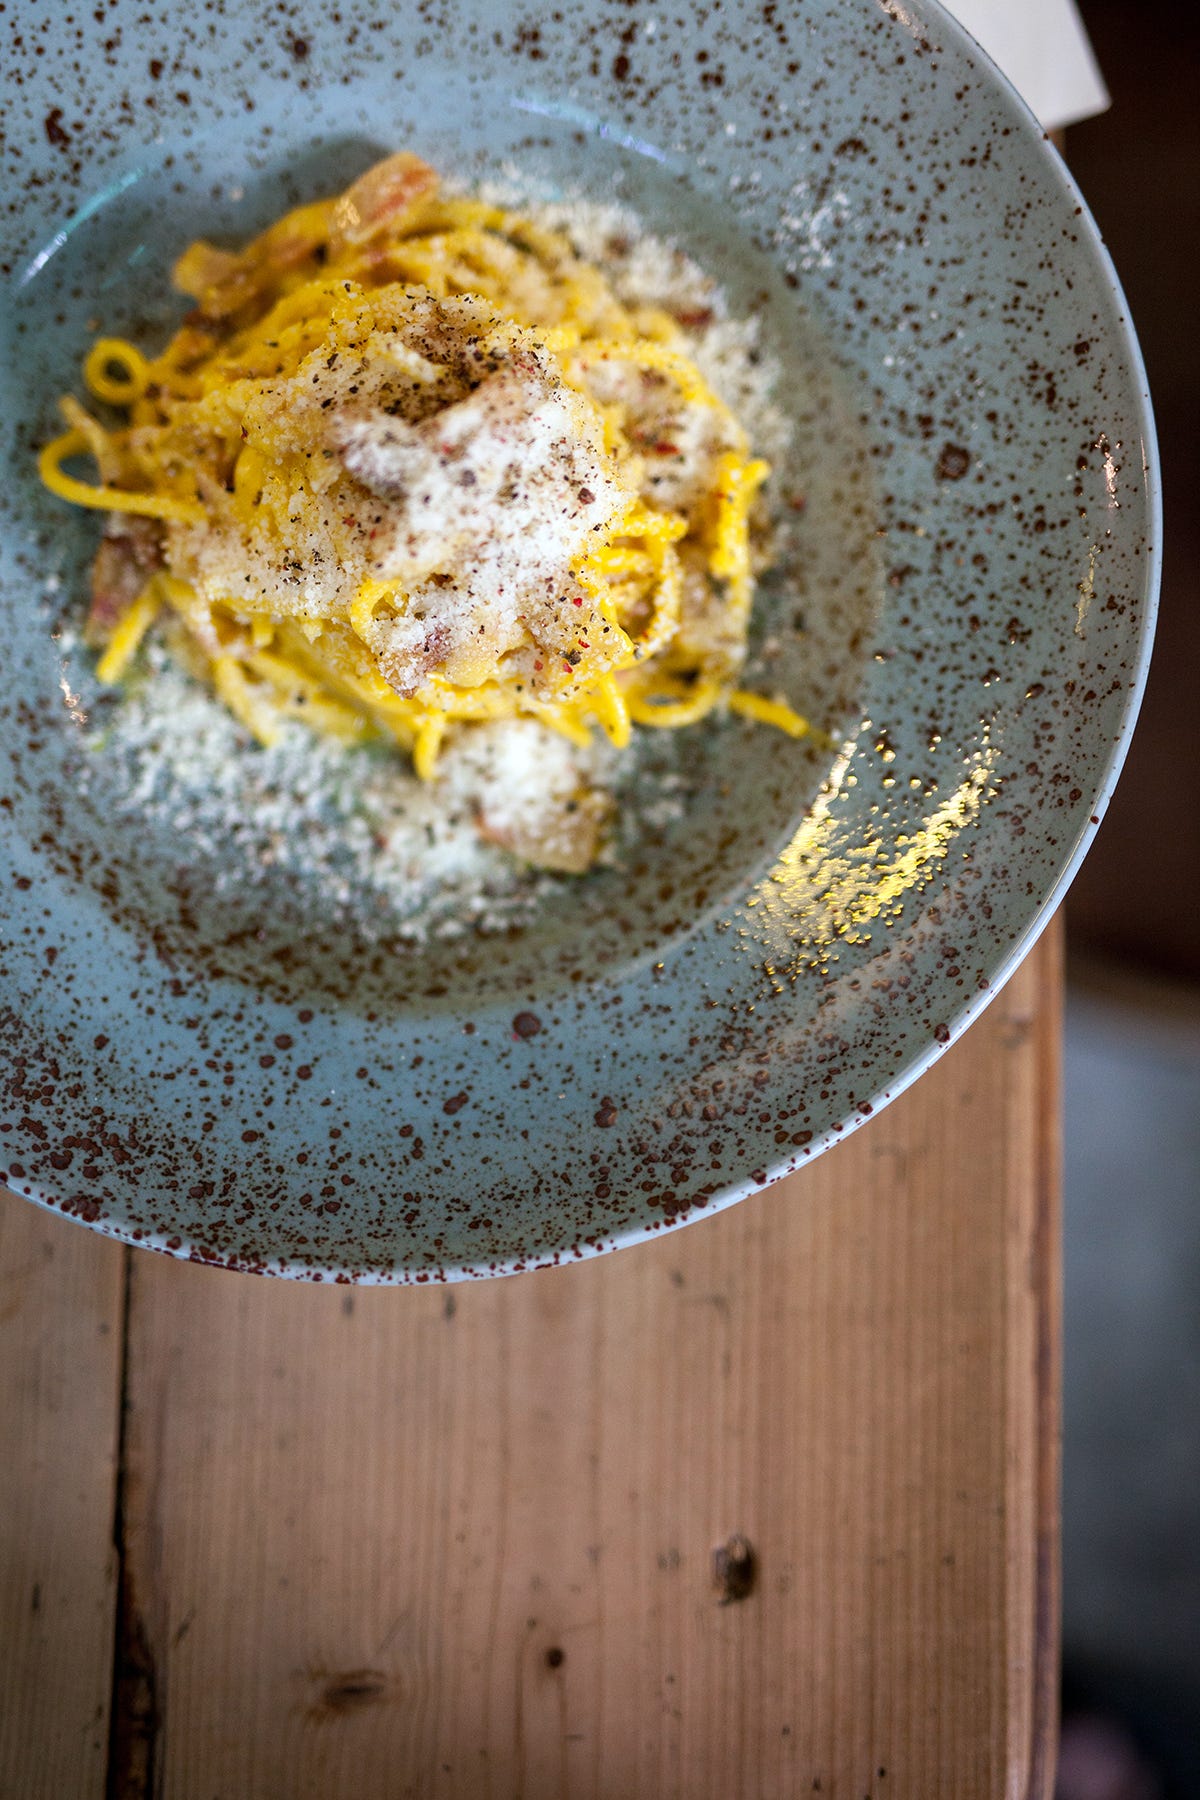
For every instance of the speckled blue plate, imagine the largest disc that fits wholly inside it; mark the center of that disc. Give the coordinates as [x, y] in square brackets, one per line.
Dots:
[194, 1061]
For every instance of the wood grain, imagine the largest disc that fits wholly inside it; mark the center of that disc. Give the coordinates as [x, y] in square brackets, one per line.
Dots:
[461, 1542]
[61, 1304]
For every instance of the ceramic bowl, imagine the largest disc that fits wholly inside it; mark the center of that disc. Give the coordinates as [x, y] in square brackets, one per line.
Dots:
[195, 1062]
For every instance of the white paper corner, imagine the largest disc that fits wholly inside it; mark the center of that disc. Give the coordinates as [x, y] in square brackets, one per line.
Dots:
[1042, 47]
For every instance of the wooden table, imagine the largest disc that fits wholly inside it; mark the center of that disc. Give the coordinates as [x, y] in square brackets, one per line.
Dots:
[260, 1540]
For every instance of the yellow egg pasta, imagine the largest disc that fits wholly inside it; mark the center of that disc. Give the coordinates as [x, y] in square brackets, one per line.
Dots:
[383, 352]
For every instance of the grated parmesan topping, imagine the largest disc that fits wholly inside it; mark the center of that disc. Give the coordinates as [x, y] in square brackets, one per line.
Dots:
[486, 504]
[369, 845]
[411, 407]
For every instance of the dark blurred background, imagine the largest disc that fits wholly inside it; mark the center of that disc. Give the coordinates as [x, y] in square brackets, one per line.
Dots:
[1131, 1461]
[1138, 896]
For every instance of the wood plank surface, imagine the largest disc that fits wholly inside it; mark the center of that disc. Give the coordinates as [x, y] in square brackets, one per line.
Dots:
[61, 1308]
[461, 1543]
